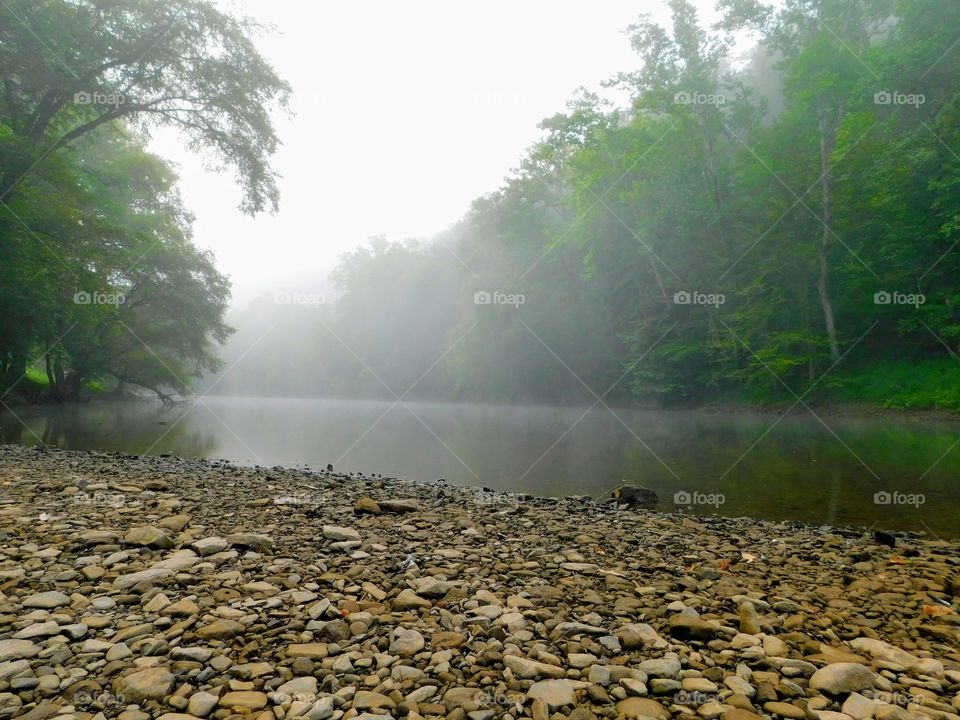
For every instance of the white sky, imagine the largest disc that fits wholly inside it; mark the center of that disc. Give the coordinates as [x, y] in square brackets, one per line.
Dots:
[404, 113]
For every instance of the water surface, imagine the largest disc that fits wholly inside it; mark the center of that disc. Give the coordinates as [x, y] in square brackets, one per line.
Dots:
[834, 470]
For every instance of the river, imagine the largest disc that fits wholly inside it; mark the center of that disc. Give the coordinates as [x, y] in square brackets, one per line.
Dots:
[890, 473]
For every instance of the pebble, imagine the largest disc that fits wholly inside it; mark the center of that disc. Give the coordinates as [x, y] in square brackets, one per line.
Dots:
[203, 597]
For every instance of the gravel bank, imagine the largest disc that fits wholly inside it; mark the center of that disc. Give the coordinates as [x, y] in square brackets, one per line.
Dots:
[165, 588]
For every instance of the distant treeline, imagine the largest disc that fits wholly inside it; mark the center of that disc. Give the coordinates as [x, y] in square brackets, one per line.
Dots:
[777, 228]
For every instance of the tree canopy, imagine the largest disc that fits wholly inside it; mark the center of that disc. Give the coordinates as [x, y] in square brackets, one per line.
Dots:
[99, 276]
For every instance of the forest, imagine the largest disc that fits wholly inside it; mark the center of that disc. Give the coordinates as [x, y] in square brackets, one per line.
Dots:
[775, 228]
[778, 225]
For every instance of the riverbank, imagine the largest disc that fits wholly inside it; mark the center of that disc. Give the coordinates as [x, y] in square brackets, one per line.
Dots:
[159, 587]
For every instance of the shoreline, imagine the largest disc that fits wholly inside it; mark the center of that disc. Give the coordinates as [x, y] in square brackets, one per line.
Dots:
[177, 589]
[830, 408]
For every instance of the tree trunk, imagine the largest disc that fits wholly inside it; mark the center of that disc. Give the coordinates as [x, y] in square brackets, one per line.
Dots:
[828, 140]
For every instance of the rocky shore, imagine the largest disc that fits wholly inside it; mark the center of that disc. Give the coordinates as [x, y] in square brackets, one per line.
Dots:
[142, 588]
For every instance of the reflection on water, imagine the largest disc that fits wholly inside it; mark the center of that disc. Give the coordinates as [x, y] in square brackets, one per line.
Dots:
[896, 474]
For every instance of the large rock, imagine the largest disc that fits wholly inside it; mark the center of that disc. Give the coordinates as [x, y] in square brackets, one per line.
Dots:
[409, 600]
[150, 684]
[842, 678]
[246, 700]
[635, 496]
[18, 650]
[367, 700]
[688, 627]
[406, 642]
[638, 635]
[555, 693]
[47, 600]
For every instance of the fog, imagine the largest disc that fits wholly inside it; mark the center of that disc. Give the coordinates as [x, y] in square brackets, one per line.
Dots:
[401, 116]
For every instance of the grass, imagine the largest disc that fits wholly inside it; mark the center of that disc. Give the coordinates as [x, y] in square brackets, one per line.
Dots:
[904, 385]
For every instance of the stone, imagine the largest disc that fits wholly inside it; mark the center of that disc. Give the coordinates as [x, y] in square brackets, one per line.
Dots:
[399, 506]
[144, 576]
[666, 667]
[244, 700]
[528, 669]
[18, 650]
[842, 678]
[338, 533]
[150, 684]
[367, 700]
[638, 635]
[46, 600]
[174, 523]
[785, 710]
[735, 713]
[223, 629]
[749, 622]
[687, 627]
[210, 546]
[366, 505]
[409, 600]
[148, 536]
[554, 693]
[859, 707]
[635, 708]
[406, 642]
[299, 686]
[316, 651]
[251, 541]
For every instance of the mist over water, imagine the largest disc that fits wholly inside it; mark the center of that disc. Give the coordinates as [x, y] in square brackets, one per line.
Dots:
[697, 462]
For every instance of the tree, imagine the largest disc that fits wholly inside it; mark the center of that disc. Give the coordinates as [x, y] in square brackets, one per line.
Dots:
[72, 67]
